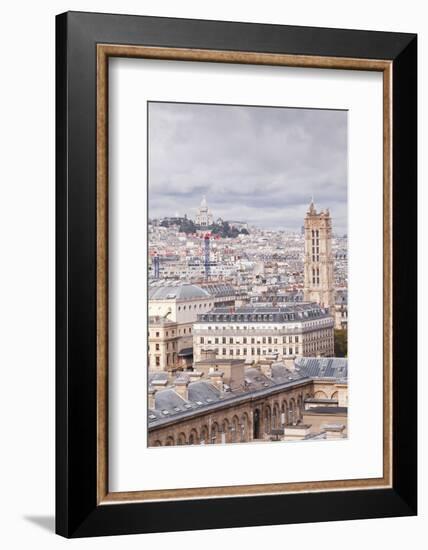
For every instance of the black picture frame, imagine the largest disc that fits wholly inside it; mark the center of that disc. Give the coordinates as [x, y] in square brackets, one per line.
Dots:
[77, 511]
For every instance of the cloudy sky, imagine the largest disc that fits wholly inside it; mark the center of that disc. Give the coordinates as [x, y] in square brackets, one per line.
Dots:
[255, 164]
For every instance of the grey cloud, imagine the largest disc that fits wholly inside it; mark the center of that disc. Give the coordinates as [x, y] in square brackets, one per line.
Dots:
[261, 165]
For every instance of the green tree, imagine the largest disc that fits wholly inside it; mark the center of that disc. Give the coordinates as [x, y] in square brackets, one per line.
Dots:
[341, 343]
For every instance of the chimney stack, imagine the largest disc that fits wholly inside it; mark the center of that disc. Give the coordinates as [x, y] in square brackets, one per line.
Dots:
[266, 368]
[151, 398]
[195, 375]
[289, 363]
[333, 431]
[216, 378]
[181, 387]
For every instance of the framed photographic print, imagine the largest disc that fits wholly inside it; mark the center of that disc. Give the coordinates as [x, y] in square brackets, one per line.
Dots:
[236, 274]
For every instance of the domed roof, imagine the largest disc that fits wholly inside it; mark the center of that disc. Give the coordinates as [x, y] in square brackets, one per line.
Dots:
[181, 292]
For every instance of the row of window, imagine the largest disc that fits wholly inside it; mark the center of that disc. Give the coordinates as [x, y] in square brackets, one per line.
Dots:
[252, 328]
[245, 340]
[325, 333]
[315, 276]
[312, 336]
[315, 348]
[195, 306]
[256, 351]
[179, 332]
[316, 323]
[169, 346]
[257, 317]
[171, 359]
[315, 247]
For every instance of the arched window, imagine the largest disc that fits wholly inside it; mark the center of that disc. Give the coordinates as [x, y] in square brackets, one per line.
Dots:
[204, 435]
[215, 433]
[256, 424]
[226, 431]
[268, 420]
[235, 429]
[274, 417]
[245, 428]
[193, 438]
[300, 407]
[181, 440]
[169, 441]
[284, 413]
[292, 411]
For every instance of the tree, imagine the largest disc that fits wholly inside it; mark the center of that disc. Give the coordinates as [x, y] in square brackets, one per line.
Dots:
[341, 343]
[187, 226]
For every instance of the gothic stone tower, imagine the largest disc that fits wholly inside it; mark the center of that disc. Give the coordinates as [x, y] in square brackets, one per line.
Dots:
[319, 279]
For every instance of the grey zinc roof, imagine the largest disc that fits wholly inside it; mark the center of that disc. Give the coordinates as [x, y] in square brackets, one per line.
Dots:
[160, 417]
[323, 367]
[203, 391]
[281, 374]
[177, 292]
[168, 399]
[219, 289]
[203, 395]
[257, 313]
[256, 380]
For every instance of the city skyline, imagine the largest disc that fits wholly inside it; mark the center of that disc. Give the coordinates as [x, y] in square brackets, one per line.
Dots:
[192, 216]
[260, 165]
[247, 335]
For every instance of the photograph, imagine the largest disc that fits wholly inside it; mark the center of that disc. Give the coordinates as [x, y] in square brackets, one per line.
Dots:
[213, 257]
[247, 274]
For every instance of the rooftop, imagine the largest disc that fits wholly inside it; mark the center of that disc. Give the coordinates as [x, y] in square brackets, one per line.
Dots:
[268, 313]
[324, 367]
[219, 290]
[326, 410]
[204, 396]
[177, 292]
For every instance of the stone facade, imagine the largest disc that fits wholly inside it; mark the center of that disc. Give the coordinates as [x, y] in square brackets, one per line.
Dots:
[172, 312]
[318, 418]
[254, 333]
[169, 345]
[173, 309]
[319, 277]
[248, 418]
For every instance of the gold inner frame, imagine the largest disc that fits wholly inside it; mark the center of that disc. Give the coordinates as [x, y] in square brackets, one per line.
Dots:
[104, 52]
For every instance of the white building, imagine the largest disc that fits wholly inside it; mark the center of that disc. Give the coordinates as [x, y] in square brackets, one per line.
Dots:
[173, 309]
[204, 217]
[253, 333]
